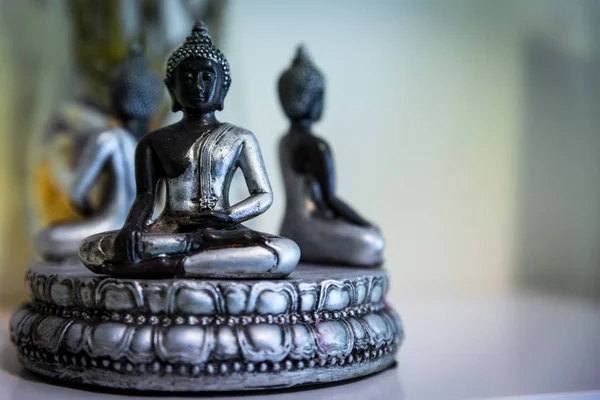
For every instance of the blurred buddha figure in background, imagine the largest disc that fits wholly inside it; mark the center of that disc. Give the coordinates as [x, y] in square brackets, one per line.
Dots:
[103, 185]
[327, 229]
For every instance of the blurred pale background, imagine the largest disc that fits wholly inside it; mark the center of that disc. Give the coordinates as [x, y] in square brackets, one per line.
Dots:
[467, 129]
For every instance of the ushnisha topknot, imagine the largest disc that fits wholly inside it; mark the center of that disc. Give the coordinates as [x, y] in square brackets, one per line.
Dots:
[300, 85]
[199, 44]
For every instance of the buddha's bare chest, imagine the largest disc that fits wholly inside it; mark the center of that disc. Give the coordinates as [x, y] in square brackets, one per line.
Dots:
[205, 152]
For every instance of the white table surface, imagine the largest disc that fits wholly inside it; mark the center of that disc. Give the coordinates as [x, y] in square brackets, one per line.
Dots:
[485, 346]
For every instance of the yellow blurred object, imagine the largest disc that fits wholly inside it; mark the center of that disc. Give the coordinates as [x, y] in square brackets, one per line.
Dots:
[52, 202]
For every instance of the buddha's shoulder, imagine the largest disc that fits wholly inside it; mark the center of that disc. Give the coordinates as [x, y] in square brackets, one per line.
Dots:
[310, 143]
[157, 136]
[321, 144]
[239, 133]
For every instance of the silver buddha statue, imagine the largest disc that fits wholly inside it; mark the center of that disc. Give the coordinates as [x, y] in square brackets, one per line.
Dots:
[327, 229]
[199, 233]
[105, 152]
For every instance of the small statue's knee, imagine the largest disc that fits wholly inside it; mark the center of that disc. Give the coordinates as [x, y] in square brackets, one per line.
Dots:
[94, 251]
[288, 254]
[43, 243]
[375, 240]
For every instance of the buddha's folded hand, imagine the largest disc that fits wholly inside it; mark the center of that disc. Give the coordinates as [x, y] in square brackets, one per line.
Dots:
[211, 217]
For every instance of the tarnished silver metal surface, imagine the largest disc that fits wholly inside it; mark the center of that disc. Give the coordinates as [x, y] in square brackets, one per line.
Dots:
[319, 325]
[112, 149]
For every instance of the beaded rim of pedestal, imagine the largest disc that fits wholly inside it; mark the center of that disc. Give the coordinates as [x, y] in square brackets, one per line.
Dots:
[320, 325]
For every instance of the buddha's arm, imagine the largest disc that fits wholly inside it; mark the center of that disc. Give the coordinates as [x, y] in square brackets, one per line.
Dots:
[314, 158]
[319, 163]
[259, 187]
[146, 179]
[91, 161]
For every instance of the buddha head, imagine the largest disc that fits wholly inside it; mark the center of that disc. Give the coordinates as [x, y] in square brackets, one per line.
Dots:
[301, 88]
[135, 92]
[198, 76]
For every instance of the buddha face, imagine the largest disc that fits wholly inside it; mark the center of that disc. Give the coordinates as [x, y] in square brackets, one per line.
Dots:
[303, 104]
[197, 86]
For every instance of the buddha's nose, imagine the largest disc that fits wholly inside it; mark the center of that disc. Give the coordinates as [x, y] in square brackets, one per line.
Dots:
[199, 85]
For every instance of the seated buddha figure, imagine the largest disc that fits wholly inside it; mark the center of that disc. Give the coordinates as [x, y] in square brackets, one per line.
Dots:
[102, 186]
[199, 233]
[327, 229]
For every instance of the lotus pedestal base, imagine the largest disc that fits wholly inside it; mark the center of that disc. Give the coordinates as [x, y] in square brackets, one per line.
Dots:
[319, 325]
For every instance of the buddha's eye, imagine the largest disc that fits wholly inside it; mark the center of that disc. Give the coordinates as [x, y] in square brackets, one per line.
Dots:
[189, 76]
[207, 76]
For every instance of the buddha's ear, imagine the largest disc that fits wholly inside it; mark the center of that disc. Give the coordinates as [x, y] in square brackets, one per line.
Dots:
[222, 94]
[175, 106]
